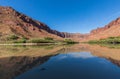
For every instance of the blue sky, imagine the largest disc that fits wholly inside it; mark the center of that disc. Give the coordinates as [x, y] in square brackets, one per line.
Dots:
[69, 15]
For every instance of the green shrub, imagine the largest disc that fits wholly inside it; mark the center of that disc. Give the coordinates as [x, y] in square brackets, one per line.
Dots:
[40, 41]
[35, 40]
[111, 37]
[92, 41]
[48, 38]
[23, 40]
[13, 37]
[109, 40]
[69, 41]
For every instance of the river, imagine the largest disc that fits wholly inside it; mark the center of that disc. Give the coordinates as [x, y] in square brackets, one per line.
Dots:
[79, 61]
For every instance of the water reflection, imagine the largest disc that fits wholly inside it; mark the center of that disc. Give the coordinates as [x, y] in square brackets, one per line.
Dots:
[16, 60]
[13, 66]
[74, 66]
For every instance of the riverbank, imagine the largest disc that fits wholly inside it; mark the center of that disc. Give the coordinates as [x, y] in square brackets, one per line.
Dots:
[110, 40]
[27, 44]
[45, 41]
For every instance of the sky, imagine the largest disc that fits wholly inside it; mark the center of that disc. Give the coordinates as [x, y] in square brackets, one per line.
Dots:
[75, 16]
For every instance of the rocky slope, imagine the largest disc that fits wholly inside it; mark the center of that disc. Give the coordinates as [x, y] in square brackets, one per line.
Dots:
[110, 30]
[13, 22]
[75, 36]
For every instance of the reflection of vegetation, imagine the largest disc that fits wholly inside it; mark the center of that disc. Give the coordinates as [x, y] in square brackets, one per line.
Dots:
[110, 40]
[49, 47]
[32, 50]
[7, 50]
[22, 58]
[18, 59]
[111, 45]
[27, 57]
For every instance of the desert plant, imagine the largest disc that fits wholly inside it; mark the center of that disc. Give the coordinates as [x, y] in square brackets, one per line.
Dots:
[109, 40]
[40, 41]
[48, 38]
[13, 37]
[22, 40]
[69, 41]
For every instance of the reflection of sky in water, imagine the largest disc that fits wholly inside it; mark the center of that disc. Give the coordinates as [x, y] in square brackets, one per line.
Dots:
[80, 65]
[83, 55]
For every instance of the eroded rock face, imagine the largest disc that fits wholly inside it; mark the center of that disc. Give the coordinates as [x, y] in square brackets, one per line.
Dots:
[75, 36]
[13, 22]
[110, 30]
[113, 23]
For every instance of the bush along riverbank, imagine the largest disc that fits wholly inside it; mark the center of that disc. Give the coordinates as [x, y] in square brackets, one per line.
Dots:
[13, 39]
[110, 40]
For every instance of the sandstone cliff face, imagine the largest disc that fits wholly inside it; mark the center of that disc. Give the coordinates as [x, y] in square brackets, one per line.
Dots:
[113, 23]
[13, 22]
[75, 36]
[110, 30]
